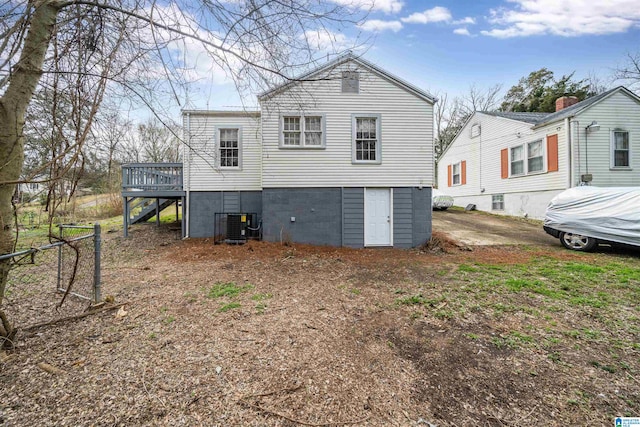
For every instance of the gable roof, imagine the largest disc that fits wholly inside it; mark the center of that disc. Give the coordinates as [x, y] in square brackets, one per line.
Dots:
[361, 62]
[583, 105]
[532, 118]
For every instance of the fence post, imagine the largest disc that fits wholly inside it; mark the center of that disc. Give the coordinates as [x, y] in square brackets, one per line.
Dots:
[96, 265]
[60, 258]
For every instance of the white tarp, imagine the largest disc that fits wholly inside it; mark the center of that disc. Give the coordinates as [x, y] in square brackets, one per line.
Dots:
[603, 213]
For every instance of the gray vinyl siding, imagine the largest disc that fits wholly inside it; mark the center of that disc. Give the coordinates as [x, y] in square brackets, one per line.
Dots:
[353, 217]
[402, 217]
[618, 111]
[421, 215]
[231, 202]
[406, 135]
[201, 170]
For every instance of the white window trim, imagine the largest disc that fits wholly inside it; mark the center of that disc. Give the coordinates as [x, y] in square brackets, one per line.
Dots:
[378, 118]
[303, 146]
[525, 160]
[217, 146]
[453, 184]
[612, 151]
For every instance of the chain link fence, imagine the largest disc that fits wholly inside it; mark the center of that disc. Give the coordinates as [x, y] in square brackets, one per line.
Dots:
[54, 280]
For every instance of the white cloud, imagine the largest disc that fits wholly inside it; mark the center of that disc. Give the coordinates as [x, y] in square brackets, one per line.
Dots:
[436, 14]
[377, 25]
[324, 40]
[563, 18]
[462, 32]
[386, 6]
[464, 21]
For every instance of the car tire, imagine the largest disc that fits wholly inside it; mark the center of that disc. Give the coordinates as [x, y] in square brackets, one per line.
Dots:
[444, 209]
[578, 242]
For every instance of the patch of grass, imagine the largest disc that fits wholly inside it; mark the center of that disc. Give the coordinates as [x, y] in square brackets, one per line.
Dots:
[261, 297]
[606, 368]
[412, 300]
[229, 306]
[229, 289]
[169, 320]
[467, 268]
[514, 340]
[260, 308]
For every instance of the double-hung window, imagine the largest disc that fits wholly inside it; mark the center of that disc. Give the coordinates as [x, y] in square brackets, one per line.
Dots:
[517, 160]
[366, 139]
[302, 131]
[527, 158]
[535, 157]
[455, 174]
[229, 146]
[620, 150]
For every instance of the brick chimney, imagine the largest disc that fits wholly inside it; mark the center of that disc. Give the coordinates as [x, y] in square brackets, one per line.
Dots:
[565, 101]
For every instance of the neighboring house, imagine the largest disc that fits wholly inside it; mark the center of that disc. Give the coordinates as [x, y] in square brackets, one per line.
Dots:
[341, 156]
[515, 163]
[27, 191]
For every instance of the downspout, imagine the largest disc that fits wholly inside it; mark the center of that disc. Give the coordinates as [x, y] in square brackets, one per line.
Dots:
[187, 155]
[567, 129]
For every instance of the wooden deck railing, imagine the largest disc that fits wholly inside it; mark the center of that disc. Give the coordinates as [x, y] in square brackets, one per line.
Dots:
[152, 177]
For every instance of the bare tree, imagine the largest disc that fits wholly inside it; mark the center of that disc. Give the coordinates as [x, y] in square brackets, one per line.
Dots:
[629, 72]
[80, 49]
[451, 114]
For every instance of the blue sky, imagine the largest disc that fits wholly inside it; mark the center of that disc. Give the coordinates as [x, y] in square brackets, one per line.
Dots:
[447, 46]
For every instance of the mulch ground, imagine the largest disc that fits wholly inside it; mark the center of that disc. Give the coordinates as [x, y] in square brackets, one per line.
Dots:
[313, 336]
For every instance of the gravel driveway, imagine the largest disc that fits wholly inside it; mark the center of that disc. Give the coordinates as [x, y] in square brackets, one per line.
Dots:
[477, 228]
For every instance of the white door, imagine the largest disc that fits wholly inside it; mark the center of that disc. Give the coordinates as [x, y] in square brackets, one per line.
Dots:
[377, 217]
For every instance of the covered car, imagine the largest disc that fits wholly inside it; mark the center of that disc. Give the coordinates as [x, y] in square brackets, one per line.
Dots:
[440, 201]
[583, 217]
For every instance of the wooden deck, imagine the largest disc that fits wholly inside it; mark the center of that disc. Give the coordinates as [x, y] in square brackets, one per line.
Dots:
[147, 188]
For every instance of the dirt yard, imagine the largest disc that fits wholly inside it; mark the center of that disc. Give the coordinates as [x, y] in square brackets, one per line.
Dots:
[479, 228]
[271, 335]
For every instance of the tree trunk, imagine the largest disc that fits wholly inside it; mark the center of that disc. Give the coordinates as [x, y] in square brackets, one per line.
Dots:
[13, 104]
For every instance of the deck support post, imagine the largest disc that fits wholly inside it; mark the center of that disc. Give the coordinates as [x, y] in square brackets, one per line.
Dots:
[125, 215]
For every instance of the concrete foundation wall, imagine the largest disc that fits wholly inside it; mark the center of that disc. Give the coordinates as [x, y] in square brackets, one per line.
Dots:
[530, 204]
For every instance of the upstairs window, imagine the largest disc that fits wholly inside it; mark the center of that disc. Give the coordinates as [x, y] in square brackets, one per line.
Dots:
[620, 150]
[366, 139]
[229, 148]
[291, 131]
[303, 131]
[313, 130]
[350, 82]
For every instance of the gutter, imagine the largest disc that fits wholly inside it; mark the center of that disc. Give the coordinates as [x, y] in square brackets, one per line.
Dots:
[187, 154]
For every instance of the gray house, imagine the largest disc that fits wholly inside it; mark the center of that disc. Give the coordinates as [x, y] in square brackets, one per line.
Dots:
[340, 156]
